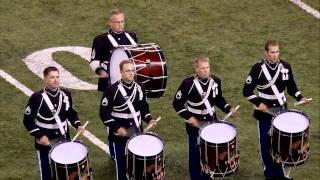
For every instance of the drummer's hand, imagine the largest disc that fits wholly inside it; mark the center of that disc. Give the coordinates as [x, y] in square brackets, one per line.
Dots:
[122, 132]
[44, 140]
[263, 107]
[305, 101]
[103, 74]
[81, 129]
[233, 112]
[152, 123]
[193, 121]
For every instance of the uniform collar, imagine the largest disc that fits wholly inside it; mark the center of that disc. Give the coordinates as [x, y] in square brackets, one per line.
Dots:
[114, 33]
[270, 64]
[126, 84]
[51, 92]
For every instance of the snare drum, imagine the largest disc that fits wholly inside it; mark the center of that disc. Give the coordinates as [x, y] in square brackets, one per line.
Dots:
[218, 149]
[144, 157]
[290, 137]
[69, 161]
[150, 66]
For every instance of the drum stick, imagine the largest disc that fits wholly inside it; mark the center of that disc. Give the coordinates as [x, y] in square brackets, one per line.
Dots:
[229, 114]
[301, 102]
[75, 137]
[149, 127]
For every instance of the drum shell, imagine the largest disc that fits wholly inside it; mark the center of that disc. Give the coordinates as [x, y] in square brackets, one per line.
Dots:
[214, 156]
[145, 167]
[287, 147]
[59, 171]
[150, 66]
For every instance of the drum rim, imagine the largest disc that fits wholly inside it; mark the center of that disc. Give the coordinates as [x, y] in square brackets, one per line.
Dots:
[73, 164]
[291, 110]
[127, 150]
[217, 121]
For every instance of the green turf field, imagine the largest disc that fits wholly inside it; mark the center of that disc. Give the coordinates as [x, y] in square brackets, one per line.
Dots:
[231, 32]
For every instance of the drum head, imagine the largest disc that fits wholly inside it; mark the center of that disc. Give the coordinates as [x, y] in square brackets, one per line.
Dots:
[117, 56]
[218, 133]
[145, 145]
[68, 153]
[291, 122]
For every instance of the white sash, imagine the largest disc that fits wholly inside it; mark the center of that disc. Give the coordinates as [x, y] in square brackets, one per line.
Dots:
[205, 99]
[115, 43]
[273, 87]
[129, 103]
[53, 111]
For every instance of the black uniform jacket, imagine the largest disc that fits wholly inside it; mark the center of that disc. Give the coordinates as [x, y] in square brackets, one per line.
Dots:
[38, 119]
[114, 109]
[187, 98]
[282, 78]
[102, 49]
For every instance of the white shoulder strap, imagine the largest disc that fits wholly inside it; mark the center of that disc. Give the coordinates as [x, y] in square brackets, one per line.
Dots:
[55, 115]
[130, 39]
[129, 103]
[273, 87]
[205, 99]
[113, 41]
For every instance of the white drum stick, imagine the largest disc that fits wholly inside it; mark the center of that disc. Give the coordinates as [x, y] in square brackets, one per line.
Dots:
[149, 127]
[301, 102]
[229, 114]
[75, 137]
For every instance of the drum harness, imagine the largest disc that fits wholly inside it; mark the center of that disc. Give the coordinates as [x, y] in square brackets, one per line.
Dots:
[134, 113]
[55, 113]
[212, 86]
[277, 95]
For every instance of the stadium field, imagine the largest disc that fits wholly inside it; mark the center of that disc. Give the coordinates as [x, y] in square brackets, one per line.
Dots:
[231, 32]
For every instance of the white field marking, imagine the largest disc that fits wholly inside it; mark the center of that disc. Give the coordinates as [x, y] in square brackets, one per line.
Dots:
[91, 137]
[307, 8]
[39, 60]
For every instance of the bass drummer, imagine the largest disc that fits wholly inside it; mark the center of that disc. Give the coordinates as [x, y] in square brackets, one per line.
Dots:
[46, 117]
[271, 76]
[104, 44]
[200, 93]
[123, 106]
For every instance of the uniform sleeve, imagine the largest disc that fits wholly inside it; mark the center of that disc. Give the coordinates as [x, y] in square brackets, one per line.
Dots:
[144, 107]
[72, 114]
[29, 117]
[250, 85]
[96, 56]
[292, 87]
[106, 105]
[180, 100]
[220, 100]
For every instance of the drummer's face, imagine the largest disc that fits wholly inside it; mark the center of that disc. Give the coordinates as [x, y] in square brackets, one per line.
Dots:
[116, 22]
[52, 80]
[203, 69]
[127, 72]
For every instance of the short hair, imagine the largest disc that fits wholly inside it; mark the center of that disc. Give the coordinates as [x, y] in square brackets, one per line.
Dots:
[115, 12]
[47, 70]
[122, 63]
[270, 43]
[201, 58]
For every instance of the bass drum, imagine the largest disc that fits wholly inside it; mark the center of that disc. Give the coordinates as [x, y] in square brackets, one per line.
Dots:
[150, 66]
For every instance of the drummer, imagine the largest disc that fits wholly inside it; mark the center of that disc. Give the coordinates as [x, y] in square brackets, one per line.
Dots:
[200, 93]
[123, 105]
[271, 76]
[43, 125]
[104, 44]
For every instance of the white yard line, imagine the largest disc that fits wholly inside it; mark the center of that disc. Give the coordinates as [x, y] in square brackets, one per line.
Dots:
[307, 8]
[91, 137]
